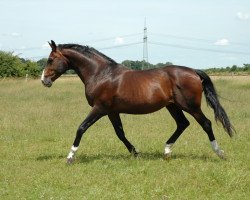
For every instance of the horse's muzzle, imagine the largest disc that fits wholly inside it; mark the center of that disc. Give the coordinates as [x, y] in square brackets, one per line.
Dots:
[46, 81]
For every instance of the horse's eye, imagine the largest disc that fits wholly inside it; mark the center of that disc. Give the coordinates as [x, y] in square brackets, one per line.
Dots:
[50, 60]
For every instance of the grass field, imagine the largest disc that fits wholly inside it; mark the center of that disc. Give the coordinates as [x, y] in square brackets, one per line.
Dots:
[38, 125]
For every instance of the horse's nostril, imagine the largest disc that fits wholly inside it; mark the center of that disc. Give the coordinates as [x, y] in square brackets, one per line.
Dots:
[47, 83]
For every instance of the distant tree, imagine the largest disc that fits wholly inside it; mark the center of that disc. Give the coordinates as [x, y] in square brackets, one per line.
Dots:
[42, 63]
[234, 68]
[138, 65]
[163, 64]
[32, 69]
[246, 67]
[13, 66]
[10, 65]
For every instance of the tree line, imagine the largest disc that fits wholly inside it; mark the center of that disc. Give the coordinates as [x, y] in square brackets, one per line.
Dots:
[14, 66]
[244, 70]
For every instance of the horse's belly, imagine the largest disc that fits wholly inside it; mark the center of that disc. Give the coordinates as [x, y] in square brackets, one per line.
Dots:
[139, 107]
[145, 109]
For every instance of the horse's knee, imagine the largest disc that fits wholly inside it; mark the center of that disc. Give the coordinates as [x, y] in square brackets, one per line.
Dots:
[183, 125]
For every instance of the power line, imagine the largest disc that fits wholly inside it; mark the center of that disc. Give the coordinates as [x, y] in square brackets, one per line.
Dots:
[112, 38]
[151, 42]
[90, 41]
[104, 48]
[198, 48]
[196, 39]
[119, 46]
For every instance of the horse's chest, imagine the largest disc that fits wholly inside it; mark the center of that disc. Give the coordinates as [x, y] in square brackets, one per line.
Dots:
[99, 95]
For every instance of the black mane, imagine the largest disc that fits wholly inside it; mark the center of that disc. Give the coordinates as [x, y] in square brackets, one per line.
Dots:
[85, 49]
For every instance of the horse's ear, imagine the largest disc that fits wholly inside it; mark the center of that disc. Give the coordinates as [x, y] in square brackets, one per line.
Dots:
[52, 44]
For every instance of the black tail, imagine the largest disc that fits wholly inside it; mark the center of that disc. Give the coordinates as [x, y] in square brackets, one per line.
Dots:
[213, 102]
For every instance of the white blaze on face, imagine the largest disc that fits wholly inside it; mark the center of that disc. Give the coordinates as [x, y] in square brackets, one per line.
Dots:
[42, 77]
[46, 80]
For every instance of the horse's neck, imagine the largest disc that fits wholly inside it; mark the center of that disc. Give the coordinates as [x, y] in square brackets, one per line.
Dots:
[85, 67]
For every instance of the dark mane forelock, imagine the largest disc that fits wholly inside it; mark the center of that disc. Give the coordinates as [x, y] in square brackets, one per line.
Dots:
[85, 49]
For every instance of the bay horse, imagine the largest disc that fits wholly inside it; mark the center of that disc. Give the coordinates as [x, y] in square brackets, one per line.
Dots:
[112, 89]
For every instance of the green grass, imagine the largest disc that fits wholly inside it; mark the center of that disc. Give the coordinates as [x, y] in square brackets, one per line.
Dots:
[38, 125]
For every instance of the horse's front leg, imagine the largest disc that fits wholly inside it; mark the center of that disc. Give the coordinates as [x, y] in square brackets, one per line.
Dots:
[117, 124]
[93, 116]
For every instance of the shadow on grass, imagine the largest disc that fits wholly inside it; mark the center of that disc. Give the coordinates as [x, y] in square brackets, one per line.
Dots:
[82, 158]
[145, 156]
[204, 157]
[49, 157]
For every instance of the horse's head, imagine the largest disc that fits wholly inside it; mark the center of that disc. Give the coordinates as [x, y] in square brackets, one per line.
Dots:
[57, 64]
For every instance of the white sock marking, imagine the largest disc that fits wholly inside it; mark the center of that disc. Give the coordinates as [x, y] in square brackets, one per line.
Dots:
[73, 148]
[217, 149]
[168, 147]
[72, 152]
[215, 146]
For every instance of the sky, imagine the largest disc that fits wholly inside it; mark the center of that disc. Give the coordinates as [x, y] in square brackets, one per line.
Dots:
[193, 33]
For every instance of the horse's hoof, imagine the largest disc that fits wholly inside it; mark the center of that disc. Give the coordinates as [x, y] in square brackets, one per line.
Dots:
[221, 154]
[167, 156]
[70, 160]
[137, 155]
[134, 152]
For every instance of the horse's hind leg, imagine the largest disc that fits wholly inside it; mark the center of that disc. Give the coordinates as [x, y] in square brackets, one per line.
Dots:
[117, 124]
[207, 127]
[181, 122]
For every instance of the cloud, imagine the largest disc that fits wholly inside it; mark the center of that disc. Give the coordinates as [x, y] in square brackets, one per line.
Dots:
[119, 40]
[14, 34]
[23, 47]
[222, 42]
[243, 16]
